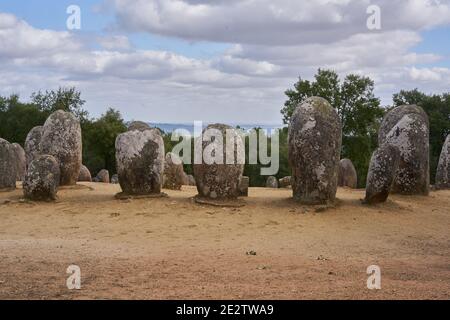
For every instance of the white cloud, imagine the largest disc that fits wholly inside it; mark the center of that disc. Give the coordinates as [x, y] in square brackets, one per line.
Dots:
[268, 22]
[244, 84]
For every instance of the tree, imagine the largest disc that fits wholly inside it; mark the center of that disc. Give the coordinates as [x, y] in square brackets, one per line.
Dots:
[67, 99]
[99, 138]
[17, 118]
[357, 107]
[437, 108]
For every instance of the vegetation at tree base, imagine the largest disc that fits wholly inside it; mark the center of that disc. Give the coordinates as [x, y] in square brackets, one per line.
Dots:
[353, 98]
[437, 108]
[359, 110]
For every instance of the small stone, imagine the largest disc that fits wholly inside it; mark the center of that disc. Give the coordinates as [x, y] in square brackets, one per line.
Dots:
[272, 182]
[285, 182]
[115, 179]
[243, 186]
[347, 174]
[103, 176]
[85, 174]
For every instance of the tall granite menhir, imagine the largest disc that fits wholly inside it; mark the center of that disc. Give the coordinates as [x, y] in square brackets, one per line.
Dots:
[8, 168]
[315, 138]
[61, 138]
[407, 128]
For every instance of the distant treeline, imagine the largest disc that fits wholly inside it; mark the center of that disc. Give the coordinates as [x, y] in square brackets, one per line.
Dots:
[353, 98]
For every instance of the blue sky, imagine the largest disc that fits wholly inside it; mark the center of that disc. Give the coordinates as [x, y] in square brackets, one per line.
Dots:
[185, 60]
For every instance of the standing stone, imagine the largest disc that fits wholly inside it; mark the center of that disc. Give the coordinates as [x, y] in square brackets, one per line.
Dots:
[347, 174]
[21, 162]
[410, 134]
[115, 179]
[103, 176]
[42, 179]
[315, 138]
[272, 182]
[219, 174]
[85, 174]
[138, 125]
[443, 169]
[285, 182]
[61, 138]
[32, 144]
[191, 180]
[173, 172]
[382, 170]
[140, 161]
[8, 168]
[243, 186]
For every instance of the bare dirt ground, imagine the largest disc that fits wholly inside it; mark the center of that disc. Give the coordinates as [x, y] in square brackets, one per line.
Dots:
[174, 248]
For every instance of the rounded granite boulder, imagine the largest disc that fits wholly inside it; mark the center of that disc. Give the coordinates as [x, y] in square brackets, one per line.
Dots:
[174, 176]
[219, 174]
[42, 179]
[382, 170]
[140, 161]
[85, 174]
[347, 174]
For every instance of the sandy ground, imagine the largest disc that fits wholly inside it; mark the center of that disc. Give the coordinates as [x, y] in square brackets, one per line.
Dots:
[177, 249]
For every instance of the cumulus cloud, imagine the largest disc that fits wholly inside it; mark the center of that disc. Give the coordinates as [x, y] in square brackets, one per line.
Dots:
[267, 22]
[272, 44]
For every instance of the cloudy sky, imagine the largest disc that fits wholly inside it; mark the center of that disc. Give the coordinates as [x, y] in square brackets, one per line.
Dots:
[219, 60]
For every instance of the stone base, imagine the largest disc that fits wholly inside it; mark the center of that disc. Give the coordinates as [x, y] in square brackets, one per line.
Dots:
[126, 196]
[231, 203]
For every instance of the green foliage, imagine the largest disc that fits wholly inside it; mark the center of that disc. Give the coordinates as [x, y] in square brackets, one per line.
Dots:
[357, 107]
[99, 138]
[437, 108]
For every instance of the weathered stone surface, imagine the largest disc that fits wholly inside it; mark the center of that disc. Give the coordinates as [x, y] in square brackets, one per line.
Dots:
[443, 169]
[61, 138]
[42, 179]
[138, 125]
[32, 144]
[190, 180]
[173, 172]
[382, 170]
[140, 161]
[347, 174]
[272, 182]
[8, 169]
[220, 180]
[115, 179]
[315, 138]
[21, 161]
[103, 176]
[410, 134]
[285, 182]
[395, 115]
[243, 186]
[85, 174]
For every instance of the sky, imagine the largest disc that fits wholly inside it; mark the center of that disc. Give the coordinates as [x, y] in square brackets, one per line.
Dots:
[229, 61]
